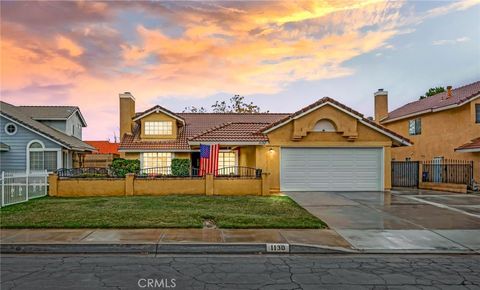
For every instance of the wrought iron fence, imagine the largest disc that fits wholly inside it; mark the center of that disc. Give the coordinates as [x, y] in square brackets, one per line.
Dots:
[405, 173]
[85, 172]
[448, 171]
[17, 187]
[239, 172]
[165, 172]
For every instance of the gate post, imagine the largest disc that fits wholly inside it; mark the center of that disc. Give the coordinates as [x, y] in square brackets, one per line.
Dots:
[3, 188]
[26, 186]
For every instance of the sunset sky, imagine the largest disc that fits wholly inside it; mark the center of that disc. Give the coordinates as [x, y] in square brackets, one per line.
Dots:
[280, 55]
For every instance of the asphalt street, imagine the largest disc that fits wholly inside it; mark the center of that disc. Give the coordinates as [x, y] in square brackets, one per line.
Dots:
[240, 272]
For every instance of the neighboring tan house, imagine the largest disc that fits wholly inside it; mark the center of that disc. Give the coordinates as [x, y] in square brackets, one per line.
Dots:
[324, 146]
[443, 126]
[103, 156]
[41, 137]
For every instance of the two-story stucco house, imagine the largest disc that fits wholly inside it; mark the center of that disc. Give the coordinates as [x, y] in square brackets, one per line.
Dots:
[41, 137]
[324, 146]
[443, 126]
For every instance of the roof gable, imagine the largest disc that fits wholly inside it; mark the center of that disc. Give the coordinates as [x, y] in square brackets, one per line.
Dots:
[329, 101]
[18, 116]
[158, 109]
[52, 112]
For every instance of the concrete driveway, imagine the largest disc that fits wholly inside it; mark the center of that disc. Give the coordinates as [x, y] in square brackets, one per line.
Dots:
[407, 221]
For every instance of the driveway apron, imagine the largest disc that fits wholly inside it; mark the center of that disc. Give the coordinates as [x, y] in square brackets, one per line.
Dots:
[404, 221]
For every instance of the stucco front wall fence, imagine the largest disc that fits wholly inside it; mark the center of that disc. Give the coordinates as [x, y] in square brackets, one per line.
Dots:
[131, 186]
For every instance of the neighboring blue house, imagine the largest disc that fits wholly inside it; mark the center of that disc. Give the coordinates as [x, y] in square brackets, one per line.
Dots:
[41, 137]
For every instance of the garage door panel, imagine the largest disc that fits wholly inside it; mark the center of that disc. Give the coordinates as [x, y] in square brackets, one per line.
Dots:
[330, 169]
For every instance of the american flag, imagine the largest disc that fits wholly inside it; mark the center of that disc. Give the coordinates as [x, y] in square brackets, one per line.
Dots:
[209, 159]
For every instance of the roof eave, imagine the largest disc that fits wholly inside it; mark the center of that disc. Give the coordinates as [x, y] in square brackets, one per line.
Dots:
[229, 143]
[156, 109]
[431, 110]
[63, 144]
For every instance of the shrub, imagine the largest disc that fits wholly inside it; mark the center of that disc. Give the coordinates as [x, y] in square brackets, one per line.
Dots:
[93, 175]
[180, 167]
[120, 166]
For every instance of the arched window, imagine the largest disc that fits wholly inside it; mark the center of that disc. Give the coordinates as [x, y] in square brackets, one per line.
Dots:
[40, 158]
[324, 126]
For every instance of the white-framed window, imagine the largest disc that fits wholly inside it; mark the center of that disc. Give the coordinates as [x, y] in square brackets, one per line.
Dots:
[415, 126]
[10, 129]
[324, 126]
[157, 159]
[158, 128]
[40, 159]
[227, 159]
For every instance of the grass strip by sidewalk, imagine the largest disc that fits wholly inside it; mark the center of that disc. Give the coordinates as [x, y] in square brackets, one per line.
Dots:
[159, 212]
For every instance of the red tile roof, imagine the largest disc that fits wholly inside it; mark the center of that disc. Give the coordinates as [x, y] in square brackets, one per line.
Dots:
[233, 132]
[459, 96]
[228, 127]
[104, 147]
[196, 124]
[474, 144]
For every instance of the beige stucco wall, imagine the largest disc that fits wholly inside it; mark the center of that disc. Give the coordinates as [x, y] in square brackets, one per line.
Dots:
[130, 186]
[182, 155]
[169, 186]
[127, 111]
[246, 156]
[237, 186]
[442, 132]
[298, 133]
[90, 187]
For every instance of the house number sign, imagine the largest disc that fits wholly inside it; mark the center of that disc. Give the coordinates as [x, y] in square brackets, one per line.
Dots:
[278, 248]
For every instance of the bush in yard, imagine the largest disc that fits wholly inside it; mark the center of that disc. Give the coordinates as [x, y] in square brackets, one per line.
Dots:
[120, 166]
[180, 167]
[93, 175]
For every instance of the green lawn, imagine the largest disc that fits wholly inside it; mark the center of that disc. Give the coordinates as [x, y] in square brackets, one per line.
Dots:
[159, 212]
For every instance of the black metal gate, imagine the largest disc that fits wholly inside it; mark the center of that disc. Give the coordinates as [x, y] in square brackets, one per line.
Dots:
[448, 171]
[405, 173]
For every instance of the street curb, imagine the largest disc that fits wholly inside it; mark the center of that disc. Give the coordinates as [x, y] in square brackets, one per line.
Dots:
[164, 248]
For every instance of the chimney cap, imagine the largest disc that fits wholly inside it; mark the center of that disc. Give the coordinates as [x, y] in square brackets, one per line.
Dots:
[381, 92]
[126, 95]
[449, 91]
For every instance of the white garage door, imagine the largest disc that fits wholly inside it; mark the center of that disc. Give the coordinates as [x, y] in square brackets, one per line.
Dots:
[331, 169]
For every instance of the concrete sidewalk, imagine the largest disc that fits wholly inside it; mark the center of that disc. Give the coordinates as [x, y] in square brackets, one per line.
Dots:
[169, 240]
[158, 241]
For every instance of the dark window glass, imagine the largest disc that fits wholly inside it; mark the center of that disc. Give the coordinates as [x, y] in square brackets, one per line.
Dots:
[477, 113]
[415, 126]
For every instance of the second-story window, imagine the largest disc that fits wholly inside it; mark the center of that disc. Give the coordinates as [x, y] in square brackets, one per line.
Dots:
[477, 113]
[415, 126]
[158, 128]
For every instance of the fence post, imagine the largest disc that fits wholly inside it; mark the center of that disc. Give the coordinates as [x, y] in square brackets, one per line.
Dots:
[265, 183]
[3, 188]
[209, 184]
[46, 182]
[53, 184]
[26, 185]
[129, 184]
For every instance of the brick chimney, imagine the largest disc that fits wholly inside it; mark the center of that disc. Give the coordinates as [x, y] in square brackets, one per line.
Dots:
[127, 112]
[381, 105]
[449, 92]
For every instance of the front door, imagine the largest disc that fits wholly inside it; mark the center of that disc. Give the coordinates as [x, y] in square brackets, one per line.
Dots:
[195, 162]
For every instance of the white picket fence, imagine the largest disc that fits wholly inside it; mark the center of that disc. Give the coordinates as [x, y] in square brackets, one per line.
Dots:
[20, 187]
